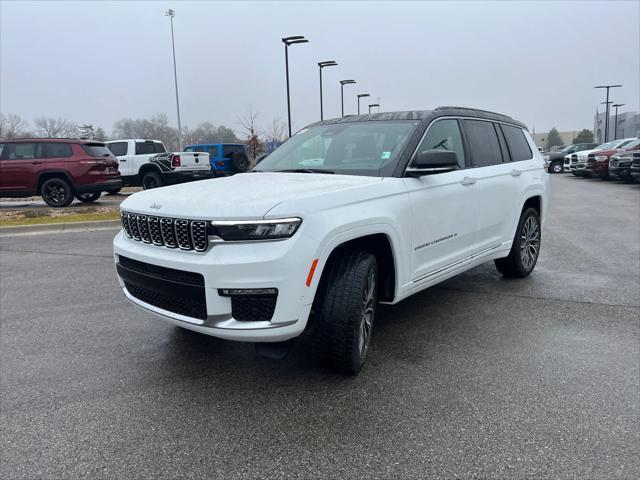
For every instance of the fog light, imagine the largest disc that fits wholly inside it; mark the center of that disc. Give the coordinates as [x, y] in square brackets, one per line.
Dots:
[229, 292]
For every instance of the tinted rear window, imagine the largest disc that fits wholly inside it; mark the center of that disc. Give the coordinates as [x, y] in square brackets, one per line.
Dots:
[96, 150]
[483, 143]
[20, 151]
[57, 150]
[517, 142]
[118, 148]
[146, 148]
[227, 150]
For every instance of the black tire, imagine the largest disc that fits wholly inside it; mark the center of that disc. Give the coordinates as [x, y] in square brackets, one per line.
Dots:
[345, 311]
[88, 197]
[151, 180]
[57, 192]
[529, 233]
[239, 162]
[114, 191]
[556, 167]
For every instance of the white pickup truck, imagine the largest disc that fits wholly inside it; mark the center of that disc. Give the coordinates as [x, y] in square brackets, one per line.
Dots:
[147, 163]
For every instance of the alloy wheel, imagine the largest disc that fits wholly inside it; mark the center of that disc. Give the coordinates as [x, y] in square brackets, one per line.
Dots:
[529, 242]
[368, 312]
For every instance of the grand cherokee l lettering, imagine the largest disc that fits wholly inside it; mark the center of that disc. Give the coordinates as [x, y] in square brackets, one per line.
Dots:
[348, 213]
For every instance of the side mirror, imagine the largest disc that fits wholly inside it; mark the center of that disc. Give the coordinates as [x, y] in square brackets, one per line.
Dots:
[259, 158]
[433, 161]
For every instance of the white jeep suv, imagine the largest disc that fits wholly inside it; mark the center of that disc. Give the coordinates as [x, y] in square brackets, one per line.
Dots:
[347, 213]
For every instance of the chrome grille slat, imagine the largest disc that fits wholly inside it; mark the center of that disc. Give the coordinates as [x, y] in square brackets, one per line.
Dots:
[166, 232]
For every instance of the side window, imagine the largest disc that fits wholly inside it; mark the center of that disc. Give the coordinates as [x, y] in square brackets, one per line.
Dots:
[483, 143]
[213, 151]
[118, 149]
[21, 151]
[444, 135]
[145, 148]
[57, 150]
[1, 149]
[517, 142]
[158, 147]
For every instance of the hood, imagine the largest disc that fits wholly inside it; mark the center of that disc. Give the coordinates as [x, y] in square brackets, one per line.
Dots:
[585, 153]
[242, 196]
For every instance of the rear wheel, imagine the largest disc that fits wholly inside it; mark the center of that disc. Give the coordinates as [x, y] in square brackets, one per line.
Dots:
[525, 249]
[57, 192]
[239, 162]
[151, 180]
[345, 311]
[88, 197]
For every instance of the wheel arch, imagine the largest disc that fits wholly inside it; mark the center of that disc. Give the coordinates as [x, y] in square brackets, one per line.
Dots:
[381, 246]
[148, 167]
[46, 175]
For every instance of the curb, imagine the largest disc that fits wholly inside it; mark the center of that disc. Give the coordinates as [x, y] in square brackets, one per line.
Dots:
[59, 227]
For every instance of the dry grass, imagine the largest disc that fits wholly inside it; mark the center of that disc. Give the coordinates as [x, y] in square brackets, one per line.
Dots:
[71, 217]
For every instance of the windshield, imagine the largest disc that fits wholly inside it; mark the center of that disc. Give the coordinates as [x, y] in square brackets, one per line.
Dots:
[566, 149]
[358, 148]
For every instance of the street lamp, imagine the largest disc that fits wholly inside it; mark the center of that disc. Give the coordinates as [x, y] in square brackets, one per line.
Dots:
[342, 84]
[321, 65]
[359, 97]
[290, 41]
[374, 105]
[615, 125]
[606, 120]
[171, 13]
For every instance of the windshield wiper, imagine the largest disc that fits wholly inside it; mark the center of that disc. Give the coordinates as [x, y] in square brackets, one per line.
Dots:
[306, 170]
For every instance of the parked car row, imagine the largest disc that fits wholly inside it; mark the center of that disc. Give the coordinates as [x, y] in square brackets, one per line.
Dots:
[595, 163]
[60, 170]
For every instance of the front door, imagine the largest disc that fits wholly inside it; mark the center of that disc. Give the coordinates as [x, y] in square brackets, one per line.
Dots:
[444, 207]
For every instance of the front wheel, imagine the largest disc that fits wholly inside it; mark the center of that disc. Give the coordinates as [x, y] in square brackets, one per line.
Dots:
[525, 249]
[345, 311]
[556, 168]
[88, 197]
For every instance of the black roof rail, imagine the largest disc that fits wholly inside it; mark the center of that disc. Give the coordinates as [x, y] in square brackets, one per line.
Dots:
[446, 107]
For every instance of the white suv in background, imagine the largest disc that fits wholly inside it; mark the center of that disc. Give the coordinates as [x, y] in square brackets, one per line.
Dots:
[348, 213]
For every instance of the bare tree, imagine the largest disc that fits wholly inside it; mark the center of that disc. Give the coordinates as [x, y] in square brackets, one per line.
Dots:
[56, 128]
[208, 133]
[156, 128]
[87, 131]
[13, 126]
[100, 135]
[254, 145]
[277, 131]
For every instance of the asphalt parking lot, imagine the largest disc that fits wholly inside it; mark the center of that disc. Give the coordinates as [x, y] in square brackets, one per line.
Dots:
[479, 377]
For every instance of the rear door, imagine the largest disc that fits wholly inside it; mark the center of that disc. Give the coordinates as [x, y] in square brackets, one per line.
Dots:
[500, 183]
[444, 207]
[20, 164]
[120, 151]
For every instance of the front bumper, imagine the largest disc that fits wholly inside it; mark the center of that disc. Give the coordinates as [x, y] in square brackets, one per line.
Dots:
[621, 173]
[282, 265]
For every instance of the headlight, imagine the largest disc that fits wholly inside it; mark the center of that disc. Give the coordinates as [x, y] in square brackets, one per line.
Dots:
[231, 231]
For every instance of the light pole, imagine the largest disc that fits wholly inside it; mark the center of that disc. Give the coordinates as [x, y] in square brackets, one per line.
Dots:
[615, 125]
[321, 65]
[290, 41]
[374, 105]
[606, 120]
[360, 95]
[607, 114]
[171, 13]
[342, 84]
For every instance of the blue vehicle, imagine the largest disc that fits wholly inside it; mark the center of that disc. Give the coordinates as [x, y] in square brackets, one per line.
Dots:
[225, 158]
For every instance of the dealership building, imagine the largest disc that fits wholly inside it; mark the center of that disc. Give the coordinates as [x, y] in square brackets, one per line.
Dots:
[628, 126]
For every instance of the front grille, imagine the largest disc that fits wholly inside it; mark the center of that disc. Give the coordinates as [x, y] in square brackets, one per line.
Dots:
[164, 273]
[253, 308]
[182, 306]
[167, 232]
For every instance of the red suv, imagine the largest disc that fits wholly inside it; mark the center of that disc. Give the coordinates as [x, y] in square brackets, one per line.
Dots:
[57, 169]
[598, 161]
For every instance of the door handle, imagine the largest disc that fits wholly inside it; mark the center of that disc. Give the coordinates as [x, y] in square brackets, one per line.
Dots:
[516, 173]
[123, 160]
[468, 180]
[36, 162]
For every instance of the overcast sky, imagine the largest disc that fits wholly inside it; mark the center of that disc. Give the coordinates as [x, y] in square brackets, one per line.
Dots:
[97, 61]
